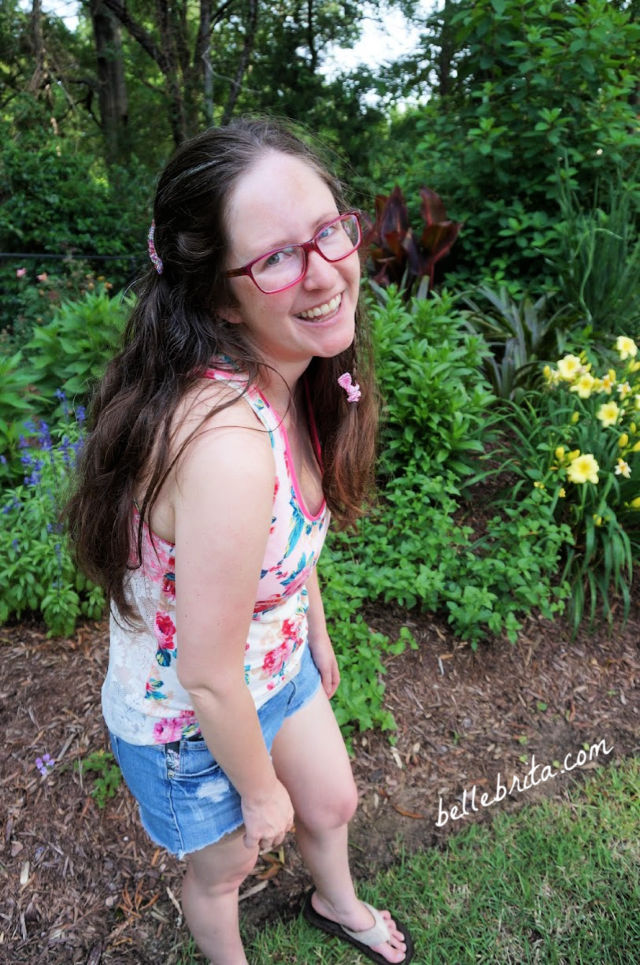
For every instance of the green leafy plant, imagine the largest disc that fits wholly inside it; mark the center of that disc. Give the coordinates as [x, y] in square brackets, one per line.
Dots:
[72, 350]
[578, 442]
[38, 573]
[519, 334]
[107, 776]
[437, 404]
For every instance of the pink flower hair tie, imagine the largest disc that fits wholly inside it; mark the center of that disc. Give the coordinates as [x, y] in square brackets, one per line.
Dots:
[153, 254]
[350, 387]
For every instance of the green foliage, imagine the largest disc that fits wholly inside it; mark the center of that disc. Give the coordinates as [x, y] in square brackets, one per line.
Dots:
[31, 295]
[107, 776]
[597, 261]
[519, 336]
[72, 350]
[14, 408]
[436, 404]
[416, 548]
[38, 573]
[578, 442]
[519, 85]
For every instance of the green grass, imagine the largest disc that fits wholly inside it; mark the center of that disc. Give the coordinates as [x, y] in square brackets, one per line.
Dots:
[556, 882]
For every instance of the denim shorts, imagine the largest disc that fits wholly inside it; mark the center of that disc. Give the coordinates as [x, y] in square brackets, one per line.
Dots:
[185, 799]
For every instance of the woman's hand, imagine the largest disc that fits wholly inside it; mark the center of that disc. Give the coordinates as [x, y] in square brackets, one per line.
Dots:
[267, 818]
[325, 660]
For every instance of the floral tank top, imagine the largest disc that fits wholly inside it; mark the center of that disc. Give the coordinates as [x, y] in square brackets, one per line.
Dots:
[143, 701]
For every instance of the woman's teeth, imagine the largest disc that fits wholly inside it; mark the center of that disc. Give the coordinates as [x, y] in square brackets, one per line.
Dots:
[321, 310]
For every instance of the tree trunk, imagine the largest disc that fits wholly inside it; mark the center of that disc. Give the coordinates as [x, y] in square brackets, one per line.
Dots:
[114, 109]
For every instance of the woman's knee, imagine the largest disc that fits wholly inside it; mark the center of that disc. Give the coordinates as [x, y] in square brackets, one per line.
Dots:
[331, 808]
[222, 866]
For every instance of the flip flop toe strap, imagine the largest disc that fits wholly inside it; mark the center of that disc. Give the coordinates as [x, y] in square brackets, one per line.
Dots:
[375, 935]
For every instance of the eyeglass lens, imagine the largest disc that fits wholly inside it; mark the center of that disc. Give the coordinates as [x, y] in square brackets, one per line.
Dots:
[286, 266]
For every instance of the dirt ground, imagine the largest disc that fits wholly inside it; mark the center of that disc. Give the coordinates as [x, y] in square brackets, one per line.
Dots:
[80, 884]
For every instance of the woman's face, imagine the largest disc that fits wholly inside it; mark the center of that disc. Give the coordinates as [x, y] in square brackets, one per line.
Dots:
[280, 201]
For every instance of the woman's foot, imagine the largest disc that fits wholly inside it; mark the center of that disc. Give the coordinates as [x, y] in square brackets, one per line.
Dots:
[360, 919]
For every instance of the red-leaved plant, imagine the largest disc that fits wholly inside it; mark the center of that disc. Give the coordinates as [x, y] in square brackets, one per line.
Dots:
[396, 255]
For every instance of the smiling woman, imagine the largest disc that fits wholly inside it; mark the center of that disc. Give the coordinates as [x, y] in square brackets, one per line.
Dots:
[224, 433]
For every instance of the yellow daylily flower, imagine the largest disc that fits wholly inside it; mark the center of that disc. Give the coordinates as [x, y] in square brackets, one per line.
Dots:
[626, 347]
[583, 469]
[609, 380]
[622, 469]
[608, 414]
[569, 367]
[624, 389]
[584, 386]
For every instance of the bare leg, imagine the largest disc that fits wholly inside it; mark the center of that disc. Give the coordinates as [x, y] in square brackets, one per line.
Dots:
[210, 897]
[312, 762]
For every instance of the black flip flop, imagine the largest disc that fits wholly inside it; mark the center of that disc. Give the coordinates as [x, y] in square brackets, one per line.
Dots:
[334, 928]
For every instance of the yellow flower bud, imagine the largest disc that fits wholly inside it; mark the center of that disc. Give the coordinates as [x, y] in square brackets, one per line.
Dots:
[597, 519]
[538, 485]
[635, 503]
[575, 417]
[573, 454]
[562, 492]
[559, 453]
[623, 440]
[636, 447]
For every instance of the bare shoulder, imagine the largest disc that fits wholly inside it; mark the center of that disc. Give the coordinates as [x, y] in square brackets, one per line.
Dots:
[218, 434]
[218, 446]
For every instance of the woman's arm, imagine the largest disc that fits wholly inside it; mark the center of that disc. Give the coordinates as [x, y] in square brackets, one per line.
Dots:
[319, 641]
[222, 500]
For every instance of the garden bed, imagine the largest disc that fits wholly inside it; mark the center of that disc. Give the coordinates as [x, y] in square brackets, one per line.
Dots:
[81, 884]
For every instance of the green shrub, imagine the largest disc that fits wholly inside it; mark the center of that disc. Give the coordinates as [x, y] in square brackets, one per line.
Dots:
[519, 85]
[437, 404]
[38, 573]
[72, 350]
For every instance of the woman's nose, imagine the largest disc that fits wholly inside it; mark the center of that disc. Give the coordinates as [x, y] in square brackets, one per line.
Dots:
[319, 271]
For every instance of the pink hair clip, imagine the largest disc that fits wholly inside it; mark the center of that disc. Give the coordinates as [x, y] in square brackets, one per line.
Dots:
[350, 387]
[153, 254]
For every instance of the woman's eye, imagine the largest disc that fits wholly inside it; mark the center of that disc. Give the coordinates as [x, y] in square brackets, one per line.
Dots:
[276, 258]
[327, 231]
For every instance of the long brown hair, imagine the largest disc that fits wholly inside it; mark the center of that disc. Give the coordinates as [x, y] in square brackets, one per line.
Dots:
[174, 332]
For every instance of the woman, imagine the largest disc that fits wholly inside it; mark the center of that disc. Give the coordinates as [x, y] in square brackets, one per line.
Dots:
[223, 434]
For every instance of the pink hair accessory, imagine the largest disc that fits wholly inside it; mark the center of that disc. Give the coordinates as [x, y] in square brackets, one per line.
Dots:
[153, 254]
[350, 387]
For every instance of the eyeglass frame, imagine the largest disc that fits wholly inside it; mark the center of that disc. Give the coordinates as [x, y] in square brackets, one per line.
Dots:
[307, 247]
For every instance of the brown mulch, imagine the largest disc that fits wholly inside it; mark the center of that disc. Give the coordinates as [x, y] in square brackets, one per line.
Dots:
[79, 884]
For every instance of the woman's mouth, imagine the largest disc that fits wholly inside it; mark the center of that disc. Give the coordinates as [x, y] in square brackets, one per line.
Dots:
[322, 311]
